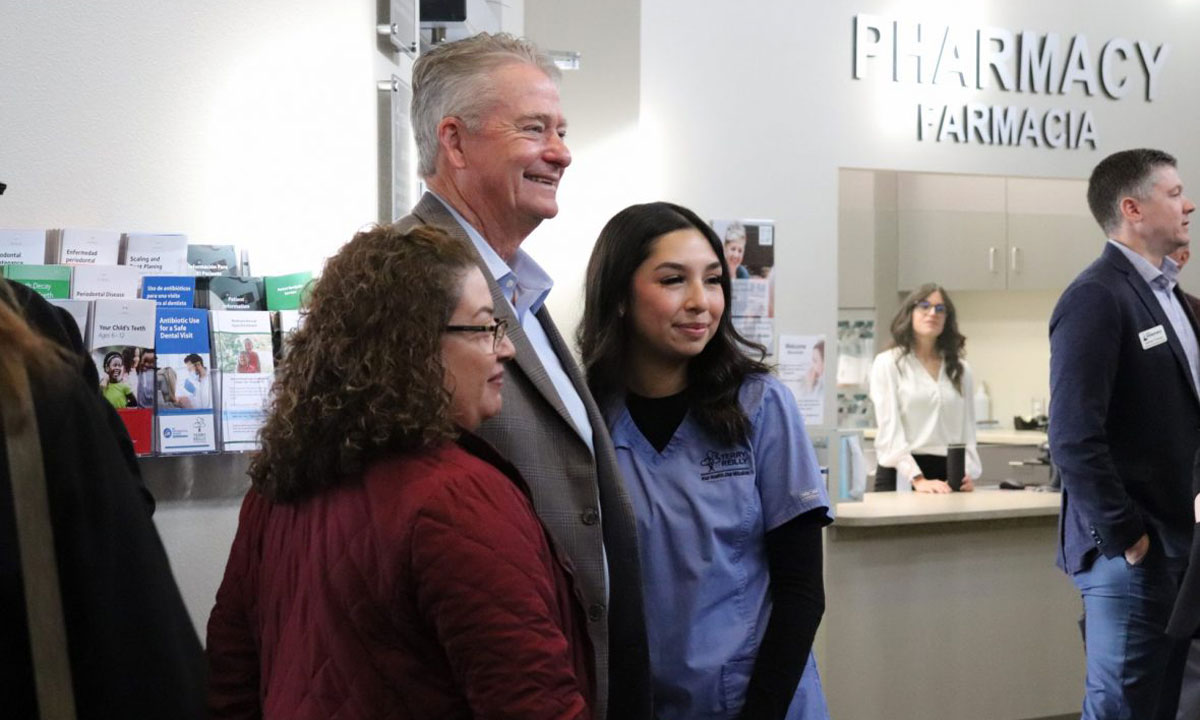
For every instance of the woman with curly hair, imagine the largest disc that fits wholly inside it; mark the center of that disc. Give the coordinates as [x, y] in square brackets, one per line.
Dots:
[726, 489]
[922, 389]
[387, 562]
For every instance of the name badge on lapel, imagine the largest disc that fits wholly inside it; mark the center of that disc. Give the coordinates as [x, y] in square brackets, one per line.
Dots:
[1153, 337]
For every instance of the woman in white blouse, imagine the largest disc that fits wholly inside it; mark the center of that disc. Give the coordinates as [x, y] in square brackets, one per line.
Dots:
[922, 390]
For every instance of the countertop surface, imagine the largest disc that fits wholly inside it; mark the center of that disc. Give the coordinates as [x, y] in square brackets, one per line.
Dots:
[986, 503]
[997, 436]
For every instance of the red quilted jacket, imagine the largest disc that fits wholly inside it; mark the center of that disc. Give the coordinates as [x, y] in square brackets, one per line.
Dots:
[428, 590]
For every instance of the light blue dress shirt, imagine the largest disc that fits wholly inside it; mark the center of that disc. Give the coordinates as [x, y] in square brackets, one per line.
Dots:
[1162, 282]
[532, 285]
[703, 509]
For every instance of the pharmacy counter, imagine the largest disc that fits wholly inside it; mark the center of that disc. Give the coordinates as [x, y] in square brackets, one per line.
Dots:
[994, 436]
[987, 503]
[949, 606]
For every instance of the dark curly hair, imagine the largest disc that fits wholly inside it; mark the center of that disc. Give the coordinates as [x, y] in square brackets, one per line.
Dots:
[715, 375]
[363, 375]
[950, 344]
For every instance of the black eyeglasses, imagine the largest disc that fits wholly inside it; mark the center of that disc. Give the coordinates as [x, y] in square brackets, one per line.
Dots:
[498, 330]
[926, 306]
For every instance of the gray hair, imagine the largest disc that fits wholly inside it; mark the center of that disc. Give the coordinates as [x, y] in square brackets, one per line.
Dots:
[453, 80]
[735, 232]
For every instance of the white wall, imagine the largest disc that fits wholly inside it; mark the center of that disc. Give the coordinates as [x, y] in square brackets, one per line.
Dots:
[233, 122]
[600, 101]
[1008, 346]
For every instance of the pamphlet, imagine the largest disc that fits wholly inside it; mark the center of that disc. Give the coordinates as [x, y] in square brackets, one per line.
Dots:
[88, 247]
[246, 369]
[170, 290]
[230, 293]
[22, 247]
[106, 282]
[52, 282]
[208, 260]
[122, 345]
[79, 310]
[184, 382]
[288, 292]
[286, 322]
[157, 254]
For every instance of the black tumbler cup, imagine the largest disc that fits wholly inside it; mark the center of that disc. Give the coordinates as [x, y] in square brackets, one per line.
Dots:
[956, 466]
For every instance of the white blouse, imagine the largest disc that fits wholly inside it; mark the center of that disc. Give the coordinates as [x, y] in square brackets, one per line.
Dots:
[916, 414]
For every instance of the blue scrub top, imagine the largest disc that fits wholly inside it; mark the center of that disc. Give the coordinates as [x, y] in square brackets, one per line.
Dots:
[703, 509]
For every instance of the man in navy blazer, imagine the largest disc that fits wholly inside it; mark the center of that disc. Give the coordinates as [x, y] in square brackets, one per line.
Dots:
[1124, 429]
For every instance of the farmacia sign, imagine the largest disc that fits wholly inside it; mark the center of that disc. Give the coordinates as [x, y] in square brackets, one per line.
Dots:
[949, 56]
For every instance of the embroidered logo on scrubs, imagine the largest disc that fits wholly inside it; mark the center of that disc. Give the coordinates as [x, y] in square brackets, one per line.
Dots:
[730, 463]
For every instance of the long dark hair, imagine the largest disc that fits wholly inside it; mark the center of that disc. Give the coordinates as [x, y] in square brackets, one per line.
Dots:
[715, 375]
[950, 344]
[363, 375]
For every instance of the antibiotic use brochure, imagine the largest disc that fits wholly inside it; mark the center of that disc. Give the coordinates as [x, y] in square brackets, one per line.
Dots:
[122, 345]
[170, 290]
[246, 368]
[184, 382]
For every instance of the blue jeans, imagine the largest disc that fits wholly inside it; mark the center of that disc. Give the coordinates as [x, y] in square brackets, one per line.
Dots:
[1133, 668]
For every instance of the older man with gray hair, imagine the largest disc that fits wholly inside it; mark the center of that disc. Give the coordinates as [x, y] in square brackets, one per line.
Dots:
[490, 136]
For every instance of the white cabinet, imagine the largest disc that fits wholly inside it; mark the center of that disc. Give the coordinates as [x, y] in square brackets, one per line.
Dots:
[992, 233]
[1051, 233]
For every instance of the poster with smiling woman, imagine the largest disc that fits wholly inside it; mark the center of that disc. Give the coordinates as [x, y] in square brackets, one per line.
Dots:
[750, 253]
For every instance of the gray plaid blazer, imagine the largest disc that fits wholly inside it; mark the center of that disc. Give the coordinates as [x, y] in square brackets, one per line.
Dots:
[535, 432]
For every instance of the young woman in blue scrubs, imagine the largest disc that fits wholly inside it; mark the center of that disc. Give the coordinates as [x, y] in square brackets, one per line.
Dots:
[728, 495]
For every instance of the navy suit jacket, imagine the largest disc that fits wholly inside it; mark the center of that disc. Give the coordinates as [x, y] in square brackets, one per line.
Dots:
[1124, 418]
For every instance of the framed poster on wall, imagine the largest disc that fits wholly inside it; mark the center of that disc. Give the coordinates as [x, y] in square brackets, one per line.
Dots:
[750, 253]
[405, 182]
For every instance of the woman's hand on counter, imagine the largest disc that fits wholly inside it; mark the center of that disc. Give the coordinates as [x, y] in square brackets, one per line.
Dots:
[939, 487]
[922, 484]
